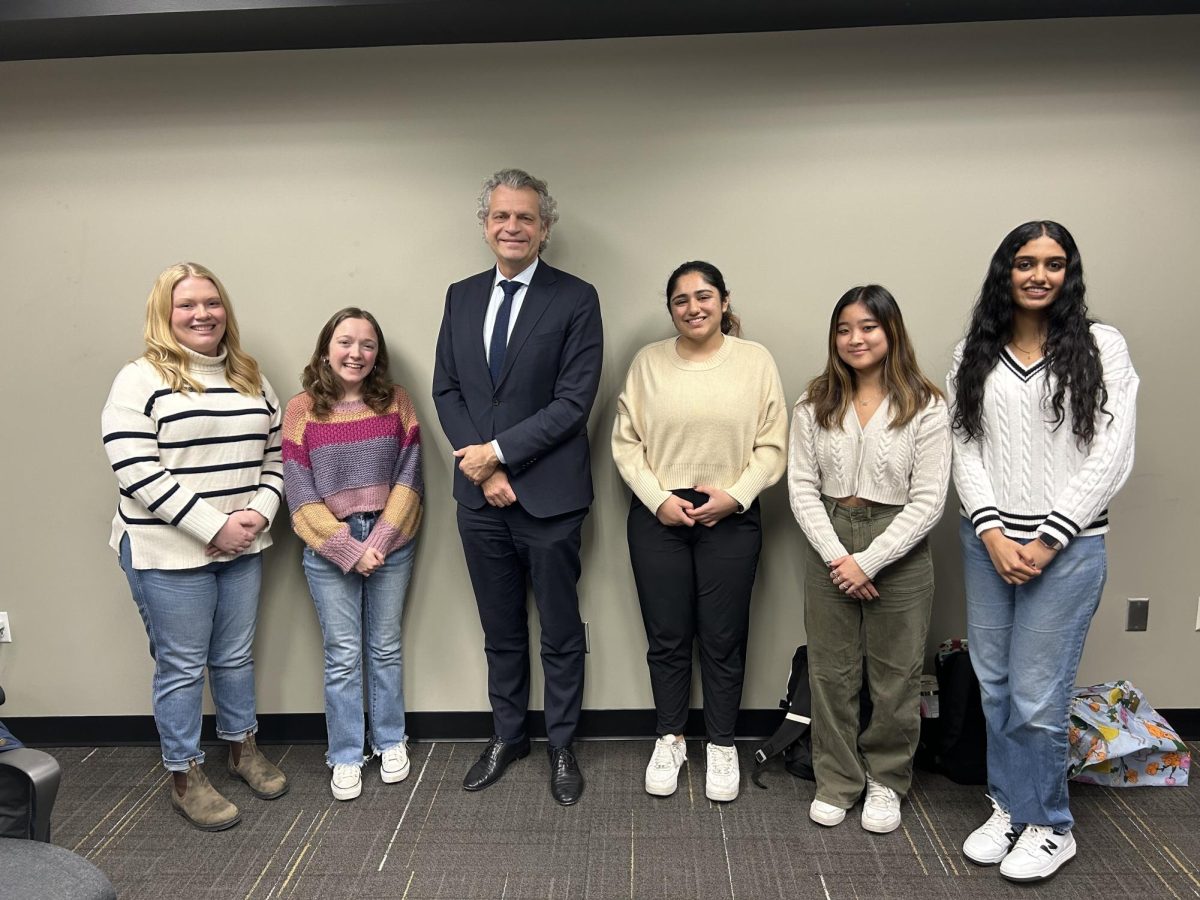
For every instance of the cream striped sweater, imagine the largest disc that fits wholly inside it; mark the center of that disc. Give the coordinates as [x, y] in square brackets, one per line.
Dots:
[184, 461]
[1029, 477]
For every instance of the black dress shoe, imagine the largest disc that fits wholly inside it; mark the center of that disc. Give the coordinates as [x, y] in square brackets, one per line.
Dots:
[493, 761]
[566, 781]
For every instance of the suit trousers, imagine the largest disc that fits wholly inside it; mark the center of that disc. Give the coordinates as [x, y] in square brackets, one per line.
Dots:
[695, 582]
[890, 631]
[508, 550]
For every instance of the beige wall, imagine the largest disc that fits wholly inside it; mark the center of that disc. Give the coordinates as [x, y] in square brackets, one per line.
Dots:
[799, 163]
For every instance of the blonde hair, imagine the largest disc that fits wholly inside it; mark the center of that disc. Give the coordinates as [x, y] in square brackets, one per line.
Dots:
[168, 357]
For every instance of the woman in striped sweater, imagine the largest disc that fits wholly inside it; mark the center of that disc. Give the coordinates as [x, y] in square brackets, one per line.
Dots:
[352, 464]
[191, 429]
[1044, 419]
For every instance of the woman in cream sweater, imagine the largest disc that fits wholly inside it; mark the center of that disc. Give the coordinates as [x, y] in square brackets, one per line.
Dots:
[700, 431]
[868, 468]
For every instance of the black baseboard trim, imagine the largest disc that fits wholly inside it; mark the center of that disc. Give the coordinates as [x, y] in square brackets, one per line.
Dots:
[309, 728]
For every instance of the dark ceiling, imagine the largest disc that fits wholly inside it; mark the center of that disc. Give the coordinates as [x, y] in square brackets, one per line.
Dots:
[49, 29]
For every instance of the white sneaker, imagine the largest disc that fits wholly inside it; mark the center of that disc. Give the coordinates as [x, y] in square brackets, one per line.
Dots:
[662, 774]
[826, 813]
[990, 842]
[346, 783]
[722, 776]
[881, 808]
[394, 765]
[1038, 854]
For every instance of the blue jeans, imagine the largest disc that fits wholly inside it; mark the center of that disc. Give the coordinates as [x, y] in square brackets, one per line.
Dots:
[197, 618]
[357, 611]
[1026, 641]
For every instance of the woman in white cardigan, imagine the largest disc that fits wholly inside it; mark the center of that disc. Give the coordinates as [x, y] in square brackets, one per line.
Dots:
[868, 468]
[1043, 419]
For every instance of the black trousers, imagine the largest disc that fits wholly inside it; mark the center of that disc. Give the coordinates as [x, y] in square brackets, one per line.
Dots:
[695, 583]
[506, 549]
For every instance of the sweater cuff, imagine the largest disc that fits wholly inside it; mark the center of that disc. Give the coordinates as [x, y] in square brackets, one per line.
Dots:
[266, 504]
[649, 491]
[746, 489]
[1059, 527]
[343, 551]
[870, 563]
[203, 521]
[985, 518]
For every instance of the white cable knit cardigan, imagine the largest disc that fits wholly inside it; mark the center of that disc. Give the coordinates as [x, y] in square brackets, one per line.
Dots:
[1029, 477]
[908, 465]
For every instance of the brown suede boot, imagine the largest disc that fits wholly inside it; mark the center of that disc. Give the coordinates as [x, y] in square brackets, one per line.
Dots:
[263, 778]
[201, 803]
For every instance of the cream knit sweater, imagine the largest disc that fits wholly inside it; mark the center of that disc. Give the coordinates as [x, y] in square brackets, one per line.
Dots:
[184, 461]
[908, 465]
[1028, 477]
[721, 421]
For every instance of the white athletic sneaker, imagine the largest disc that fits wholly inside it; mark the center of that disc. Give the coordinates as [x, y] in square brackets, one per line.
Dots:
[722, 776]
[393, 764]
[346, 783]
[990, 842]
[1038, 854]
[881, 808]
[826, 813]
[662, 774]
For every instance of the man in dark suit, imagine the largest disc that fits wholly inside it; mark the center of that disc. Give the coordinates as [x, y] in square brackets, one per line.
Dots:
[518, 364]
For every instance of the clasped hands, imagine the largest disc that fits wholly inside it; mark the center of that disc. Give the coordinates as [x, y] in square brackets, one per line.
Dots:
[1016, 563]
[676, 511]
[481, 465]
[237, 534]
[848, 576]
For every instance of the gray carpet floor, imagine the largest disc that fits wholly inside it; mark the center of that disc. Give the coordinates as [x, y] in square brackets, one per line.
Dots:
[427, 838]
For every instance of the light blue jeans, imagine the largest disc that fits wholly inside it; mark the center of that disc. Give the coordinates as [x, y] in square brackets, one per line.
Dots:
[197, 618]
[1026, 642]
[357, 611]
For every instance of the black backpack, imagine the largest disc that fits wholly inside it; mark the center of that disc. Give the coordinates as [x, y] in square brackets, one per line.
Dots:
[793, 738]
[955, 743]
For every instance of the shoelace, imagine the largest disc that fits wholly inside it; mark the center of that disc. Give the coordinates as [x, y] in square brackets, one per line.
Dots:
[722, 763]
[879, 794]
[345, 770]
[393, 756]
[563, 759]
[1037, 837]
[664, 755]
[999, 826]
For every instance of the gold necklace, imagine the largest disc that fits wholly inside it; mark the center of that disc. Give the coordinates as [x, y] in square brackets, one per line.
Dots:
[1039, 349]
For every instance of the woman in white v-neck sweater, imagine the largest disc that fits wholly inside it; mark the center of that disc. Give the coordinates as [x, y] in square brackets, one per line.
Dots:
[1043, 415]
[868, 469]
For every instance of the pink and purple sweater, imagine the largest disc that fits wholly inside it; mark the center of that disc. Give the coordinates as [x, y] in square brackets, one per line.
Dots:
[353, 460]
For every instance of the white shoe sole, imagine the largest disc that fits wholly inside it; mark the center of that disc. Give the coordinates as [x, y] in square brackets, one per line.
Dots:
[827, 821]
[880, 827]
[985, 861]
[720, 796]
[1063, 858]
[395, 777]
[346, 793]
[663, 790]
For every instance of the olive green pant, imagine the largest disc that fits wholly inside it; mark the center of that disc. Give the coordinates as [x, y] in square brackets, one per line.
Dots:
[890, 632]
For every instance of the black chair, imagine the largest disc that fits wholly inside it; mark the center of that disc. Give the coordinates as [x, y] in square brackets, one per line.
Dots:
[30, 866]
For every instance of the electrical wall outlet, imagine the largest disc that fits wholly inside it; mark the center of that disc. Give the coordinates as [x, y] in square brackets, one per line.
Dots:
[5, 630]
[1137, 614]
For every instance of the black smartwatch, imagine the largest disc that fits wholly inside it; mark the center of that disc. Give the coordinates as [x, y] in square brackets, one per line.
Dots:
[1052, 543]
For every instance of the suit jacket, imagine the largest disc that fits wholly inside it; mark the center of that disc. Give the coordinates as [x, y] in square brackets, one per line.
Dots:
[538, 411]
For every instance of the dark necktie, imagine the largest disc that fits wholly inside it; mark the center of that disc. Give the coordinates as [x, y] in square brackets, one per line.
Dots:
[499, 342]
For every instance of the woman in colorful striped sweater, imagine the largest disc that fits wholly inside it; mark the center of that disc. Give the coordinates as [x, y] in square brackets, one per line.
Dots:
[352, 466]
[191, 429]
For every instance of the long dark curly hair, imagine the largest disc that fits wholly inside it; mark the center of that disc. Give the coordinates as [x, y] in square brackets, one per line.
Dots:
[1070, 350]
[319, 382]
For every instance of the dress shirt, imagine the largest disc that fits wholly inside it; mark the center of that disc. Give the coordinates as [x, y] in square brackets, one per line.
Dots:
[523, 277]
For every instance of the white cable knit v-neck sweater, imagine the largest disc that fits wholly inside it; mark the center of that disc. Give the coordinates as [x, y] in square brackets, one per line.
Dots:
[909, 465]
[1028, 476]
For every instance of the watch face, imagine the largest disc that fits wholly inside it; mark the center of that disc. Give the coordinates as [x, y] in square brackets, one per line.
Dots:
[1050, 542]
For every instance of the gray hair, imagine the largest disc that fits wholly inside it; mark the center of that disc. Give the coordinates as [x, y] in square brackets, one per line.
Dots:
[518, 179]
